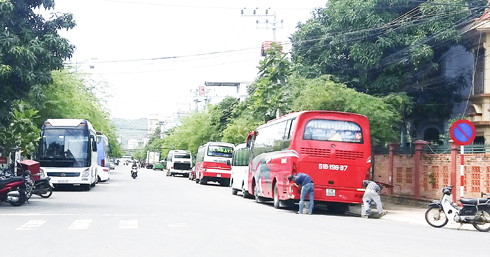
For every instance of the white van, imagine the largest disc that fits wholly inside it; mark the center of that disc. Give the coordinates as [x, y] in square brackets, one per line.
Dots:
[179, 162]
[239, 170]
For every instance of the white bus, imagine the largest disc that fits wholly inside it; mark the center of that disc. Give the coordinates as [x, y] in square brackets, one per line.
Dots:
[239, 170]
[102, 154]
[68, 152]
[179, 162]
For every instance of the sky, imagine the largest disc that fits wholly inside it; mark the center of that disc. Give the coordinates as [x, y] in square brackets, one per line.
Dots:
[150, 56]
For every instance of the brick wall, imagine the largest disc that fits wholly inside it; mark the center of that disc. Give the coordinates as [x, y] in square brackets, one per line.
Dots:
[435, 173]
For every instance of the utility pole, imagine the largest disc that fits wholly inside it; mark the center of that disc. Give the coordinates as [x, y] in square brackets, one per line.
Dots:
[263, 16]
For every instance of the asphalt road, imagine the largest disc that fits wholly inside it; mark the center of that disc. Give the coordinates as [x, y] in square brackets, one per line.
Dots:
[155, 215]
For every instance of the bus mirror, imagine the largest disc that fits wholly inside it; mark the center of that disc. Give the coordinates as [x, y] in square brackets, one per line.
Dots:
[94, 146]
[228, 163]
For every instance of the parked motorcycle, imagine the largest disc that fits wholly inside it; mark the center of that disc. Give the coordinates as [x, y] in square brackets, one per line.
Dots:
[475, 211]
[134, 172]
[13, 189]
[43, 187]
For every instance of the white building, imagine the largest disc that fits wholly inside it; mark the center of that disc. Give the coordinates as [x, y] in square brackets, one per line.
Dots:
[215, 92]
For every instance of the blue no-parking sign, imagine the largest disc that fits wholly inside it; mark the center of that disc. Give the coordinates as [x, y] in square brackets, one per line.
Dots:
[463, 132]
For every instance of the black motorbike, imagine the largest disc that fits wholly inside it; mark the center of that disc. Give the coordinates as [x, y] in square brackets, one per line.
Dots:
[134, 172]
[475, 211]
[43, 187]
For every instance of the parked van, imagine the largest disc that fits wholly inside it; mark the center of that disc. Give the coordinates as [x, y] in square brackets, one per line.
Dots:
[179, 162]
[239, 170]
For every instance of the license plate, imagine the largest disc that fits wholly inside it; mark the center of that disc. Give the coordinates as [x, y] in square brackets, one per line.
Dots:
[219, 175]
[330, 192]
[62, 181]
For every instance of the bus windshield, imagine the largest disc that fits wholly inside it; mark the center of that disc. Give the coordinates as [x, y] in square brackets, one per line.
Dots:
[333, 130]
[64, 148]
[220, 151]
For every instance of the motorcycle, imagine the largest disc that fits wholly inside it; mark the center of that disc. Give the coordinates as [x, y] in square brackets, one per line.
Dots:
[43, 187]
[134, 172]
[475, 211]
[13, 189]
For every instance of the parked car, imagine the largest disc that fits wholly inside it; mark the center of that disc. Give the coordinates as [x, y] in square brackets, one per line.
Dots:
[149, 166]
[158, 166]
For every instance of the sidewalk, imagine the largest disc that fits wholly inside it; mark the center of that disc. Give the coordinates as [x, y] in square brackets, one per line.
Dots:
[403, 213]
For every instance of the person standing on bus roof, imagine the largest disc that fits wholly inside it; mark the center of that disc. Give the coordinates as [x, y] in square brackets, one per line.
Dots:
[307, 187]
[371, 195]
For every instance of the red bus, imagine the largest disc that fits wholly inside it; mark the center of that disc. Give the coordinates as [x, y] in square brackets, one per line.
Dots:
[213, 163]
[334, 148]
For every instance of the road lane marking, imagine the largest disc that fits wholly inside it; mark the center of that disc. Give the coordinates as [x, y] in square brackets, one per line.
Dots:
[177, 225]
[31, 225]
[80, 224]
[128, 224]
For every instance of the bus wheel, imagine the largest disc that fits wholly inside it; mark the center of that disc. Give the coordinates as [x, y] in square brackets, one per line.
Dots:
[245, 194]
[202, 181]
[258, 199]
[277, 203]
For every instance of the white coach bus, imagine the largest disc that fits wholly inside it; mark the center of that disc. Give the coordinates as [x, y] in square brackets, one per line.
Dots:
[68, 152]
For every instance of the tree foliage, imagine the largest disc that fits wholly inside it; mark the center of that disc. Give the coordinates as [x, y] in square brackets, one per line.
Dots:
[269, 94]
[324, 94]
[22, 133]
[70, 96]
[382, 47]
[30, 48]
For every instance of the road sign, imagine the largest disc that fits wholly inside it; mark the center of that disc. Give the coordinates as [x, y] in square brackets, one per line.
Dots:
[463, 132]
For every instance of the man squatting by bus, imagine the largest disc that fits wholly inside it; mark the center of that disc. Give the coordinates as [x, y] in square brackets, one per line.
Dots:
[307, 187]
[371, 194]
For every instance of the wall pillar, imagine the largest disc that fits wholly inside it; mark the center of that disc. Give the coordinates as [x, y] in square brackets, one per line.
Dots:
[391, 161]
[454, 160]
[417, 169]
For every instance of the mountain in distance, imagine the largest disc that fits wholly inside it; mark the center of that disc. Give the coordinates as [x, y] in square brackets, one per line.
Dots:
[131, 129]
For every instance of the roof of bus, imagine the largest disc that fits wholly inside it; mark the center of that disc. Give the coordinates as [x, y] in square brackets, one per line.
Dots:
[296, 114]
[67, 122]
[240, 146]
[220, 143]
[179, 151]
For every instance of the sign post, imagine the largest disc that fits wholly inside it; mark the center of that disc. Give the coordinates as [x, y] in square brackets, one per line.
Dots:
[463, 133]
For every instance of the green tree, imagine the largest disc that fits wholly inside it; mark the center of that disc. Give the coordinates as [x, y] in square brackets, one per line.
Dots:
[196, 129]
[30, 48]
[237, 130]
[22, 133]
[70, 96]
[269, 94]
[324, 94]
[386, 46]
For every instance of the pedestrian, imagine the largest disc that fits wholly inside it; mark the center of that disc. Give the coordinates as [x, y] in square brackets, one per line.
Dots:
[307, 187]
[371, 195]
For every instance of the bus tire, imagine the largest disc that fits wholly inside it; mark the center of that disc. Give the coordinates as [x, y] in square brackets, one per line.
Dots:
[245, 193]
[258, 198]
[202, 181]
[277, 202]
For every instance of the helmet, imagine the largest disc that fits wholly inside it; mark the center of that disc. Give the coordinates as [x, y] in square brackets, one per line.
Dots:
[447, 190]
